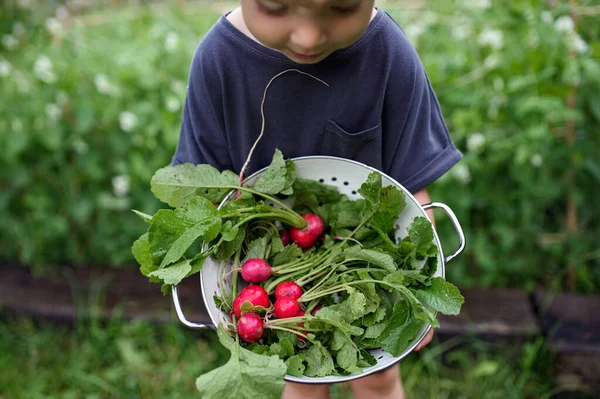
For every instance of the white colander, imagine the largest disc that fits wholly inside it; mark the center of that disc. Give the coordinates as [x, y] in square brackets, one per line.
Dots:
[347, 176]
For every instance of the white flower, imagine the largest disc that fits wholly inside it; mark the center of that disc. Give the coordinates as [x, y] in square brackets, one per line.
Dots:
[5, 68]
[491, 61]
[103, 85]
[564, 24]
[546, 16]
[414, 31]
[44, 69]
[17, 125]
[462, 173]
[493, 38]
[21, 81]
[62, 13]
[536, 160]
[18, 29]
[577, 44]
[10, 42]
[62, 98]
[127, 121]
[120, 185]
[178, 87]
[461, 31]
[80, 146]
[171, 42]
[173, 104]
[475, 142]
[54, 27]
[53, 112]
[478, 4]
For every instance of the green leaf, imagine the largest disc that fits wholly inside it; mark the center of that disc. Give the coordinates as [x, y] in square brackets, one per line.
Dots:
[227, 248]
[173, 232]
[419, 311]
[173, 274]
[352, 308]
[295, 366]
[420, 232]
[248, 307]
[290, 178]
[144, 216]
[412, 276]
[347, 356]
[391, 203]
[141, 252]
[246, 375]
[319, 361]
[283, 348]
[322, 193]
[288, 254]
[176, 185]
[257, 248]
[229, 231]
[347, 213]
[375, 330]
[273, 180]
[441, 296]
[373, 257]
[371, 188]
[401, 328]
[396, 277]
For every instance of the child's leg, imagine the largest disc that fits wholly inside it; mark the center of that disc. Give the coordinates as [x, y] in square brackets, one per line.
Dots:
[383, 385]
[294, 390]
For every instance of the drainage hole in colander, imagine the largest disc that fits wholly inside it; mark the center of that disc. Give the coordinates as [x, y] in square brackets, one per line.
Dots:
[321, 180]
[346, 183]
[353, 192]
[380, 357]
[333, 178]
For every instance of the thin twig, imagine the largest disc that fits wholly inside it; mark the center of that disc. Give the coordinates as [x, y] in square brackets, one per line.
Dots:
[262, 114]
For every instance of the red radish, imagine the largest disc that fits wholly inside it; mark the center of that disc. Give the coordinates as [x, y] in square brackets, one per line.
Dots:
[254, 294]
[250, 327]
[284, 234]
[288, 288]
[300, 314]
[305, 238]
[315, 310]
[256, 270]
[286, 307]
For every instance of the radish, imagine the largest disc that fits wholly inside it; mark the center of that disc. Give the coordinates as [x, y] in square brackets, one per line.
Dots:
[256, 270]
[250, 327]
[254, 294]
[286, 307]
[300, 314]
[284, 234]
[288, 288]
[305, 238]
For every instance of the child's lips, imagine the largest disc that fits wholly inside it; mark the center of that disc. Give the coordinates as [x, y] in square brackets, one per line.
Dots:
[305, 57]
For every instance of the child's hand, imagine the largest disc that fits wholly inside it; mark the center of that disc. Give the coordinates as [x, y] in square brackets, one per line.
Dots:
[425, 341]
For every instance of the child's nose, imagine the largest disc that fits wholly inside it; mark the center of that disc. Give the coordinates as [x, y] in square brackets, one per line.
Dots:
[308, 36]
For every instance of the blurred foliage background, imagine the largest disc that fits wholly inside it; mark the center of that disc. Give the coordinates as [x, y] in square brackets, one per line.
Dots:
[90, 101]
[91, 95]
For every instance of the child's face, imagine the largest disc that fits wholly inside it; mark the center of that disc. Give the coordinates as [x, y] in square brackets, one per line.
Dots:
[307, 31]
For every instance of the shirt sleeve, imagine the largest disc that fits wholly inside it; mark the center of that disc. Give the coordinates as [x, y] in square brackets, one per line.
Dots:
[421, 149]
[202, 135]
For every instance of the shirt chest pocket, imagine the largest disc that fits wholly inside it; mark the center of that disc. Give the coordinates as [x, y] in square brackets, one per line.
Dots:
[362, 146]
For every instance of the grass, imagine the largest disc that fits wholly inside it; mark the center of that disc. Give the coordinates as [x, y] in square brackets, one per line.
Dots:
[127, 360]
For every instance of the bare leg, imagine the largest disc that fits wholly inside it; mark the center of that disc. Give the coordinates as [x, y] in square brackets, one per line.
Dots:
[383, 385]
[294, 390]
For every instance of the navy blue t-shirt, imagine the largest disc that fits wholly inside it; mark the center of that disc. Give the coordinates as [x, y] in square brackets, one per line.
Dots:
[379, 107]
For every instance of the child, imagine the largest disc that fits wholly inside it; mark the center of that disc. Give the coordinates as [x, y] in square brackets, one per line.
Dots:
[367, 98]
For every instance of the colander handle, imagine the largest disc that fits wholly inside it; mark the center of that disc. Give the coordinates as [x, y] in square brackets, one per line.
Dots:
[180, 314]
[455, 223]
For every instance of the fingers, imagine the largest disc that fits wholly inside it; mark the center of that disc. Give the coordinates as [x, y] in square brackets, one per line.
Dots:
[425, 340]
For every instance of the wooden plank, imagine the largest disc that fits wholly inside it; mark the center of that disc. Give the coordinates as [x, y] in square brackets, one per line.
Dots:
[86, 293]
[492, 313]
[570, 320]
